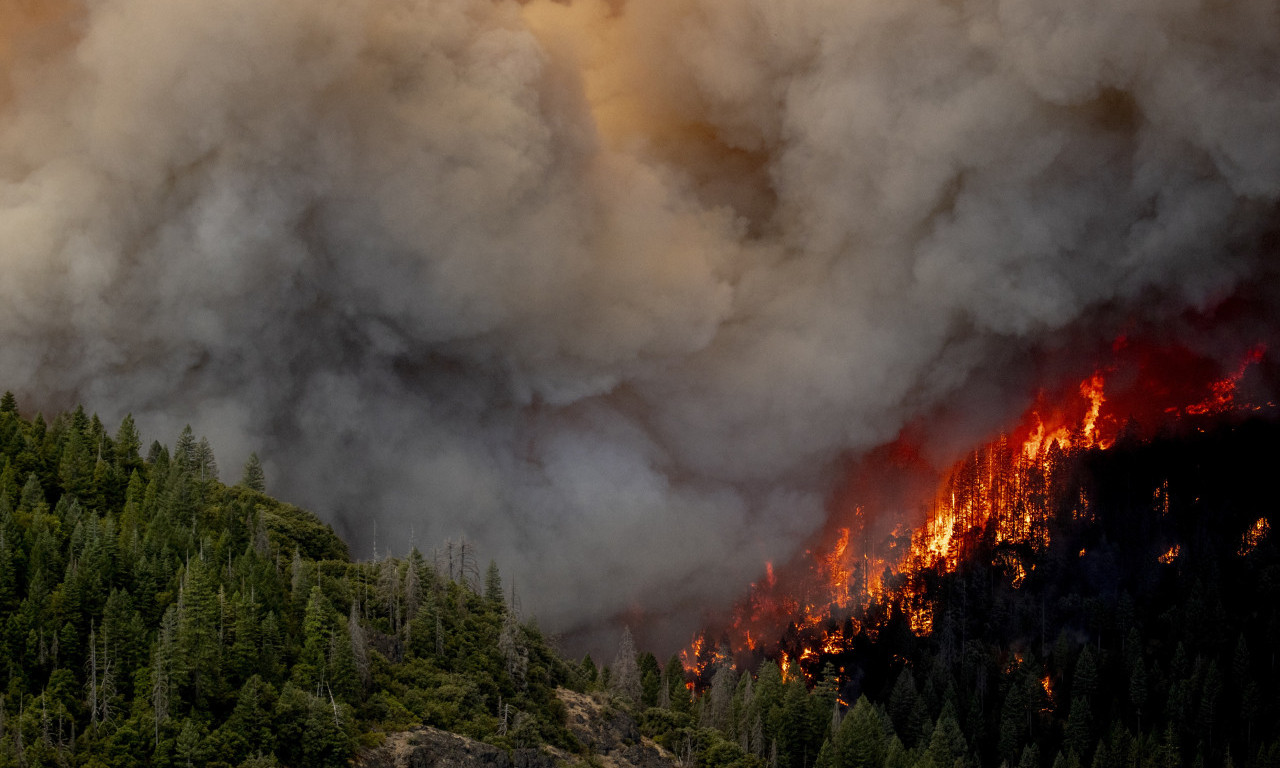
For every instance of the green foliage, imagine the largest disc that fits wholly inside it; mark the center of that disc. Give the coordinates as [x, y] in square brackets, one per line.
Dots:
[253, 477]
[166, 619]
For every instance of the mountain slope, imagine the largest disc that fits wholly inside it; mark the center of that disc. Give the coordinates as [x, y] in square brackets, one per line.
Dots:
[152, 615]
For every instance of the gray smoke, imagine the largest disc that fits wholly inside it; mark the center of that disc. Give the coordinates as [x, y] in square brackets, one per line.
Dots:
[607, 288]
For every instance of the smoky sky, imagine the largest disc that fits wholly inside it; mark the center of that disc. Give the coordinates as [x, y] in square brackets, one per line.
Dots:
[608, 289]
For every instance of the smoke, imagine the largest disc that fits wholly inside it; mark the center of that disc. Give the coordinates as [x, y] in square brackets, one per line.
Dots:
[608, 288]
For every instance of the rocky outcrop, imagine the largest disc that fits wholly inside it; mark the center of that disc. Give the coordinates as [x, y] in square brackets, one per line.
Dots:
[426, 747]
[609, 737]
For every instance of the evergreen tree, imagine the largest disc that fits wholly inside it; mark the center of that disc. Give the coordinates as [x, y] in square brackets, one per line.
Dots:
[673, 675]
[197, 669]
[205, 464]
[1013, 721]
[310, 671]
[493, 587]
[587, 670]
[947, 745]
[253, 477]
[127, 444]
[650, 679]
[1085, 680]
[906, 709]
[184, 451]
[861, 740]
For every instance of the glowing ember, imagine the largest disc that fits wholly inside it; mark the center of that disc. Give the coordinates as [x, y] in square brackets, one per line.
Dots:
[1161, 498]
[1223, 393]
[1254, 536]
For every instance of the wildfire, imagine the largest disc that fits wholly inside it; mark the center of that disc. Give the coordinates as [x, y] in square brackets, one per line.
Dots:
[1003, 494]
[1252, 537]
[1223, 393]
[1161, 498]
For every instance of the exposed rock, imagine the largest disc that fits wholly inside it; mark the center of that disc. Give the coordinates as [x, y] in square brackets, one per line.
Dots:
[609, 736]
[427, 747]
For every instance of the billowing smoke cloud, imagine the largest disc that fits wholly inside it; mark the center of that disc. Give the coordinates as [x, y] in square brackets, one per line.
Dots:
[607, 288]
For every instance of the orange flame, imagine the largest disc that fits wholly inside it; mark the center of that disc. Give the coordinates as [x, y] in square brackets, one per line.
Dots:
[1254, 536]
[1004, 490]
[1223, 393]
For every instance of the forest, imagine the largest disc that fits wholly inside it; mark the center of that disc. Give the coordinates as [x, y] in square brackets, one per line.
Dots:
[1143, 634]
[152, 614]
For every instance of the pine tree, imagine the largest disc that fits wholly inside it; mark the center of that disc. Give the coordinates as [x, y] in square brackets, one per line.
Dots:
[127, 444]
[198, 664]
[253, 477]
[343, 679]
[674, 676]
[75, 468]
[947, 745]
[243, 659]
[650, 679]
[8, 574]
[1013, 721]
[1085, 680]
[1030, 757]
[493, 587]
[162, 662]
[205, 464]
[310, 671]
[905, 709]
[588, 672]
[1078, 733]
[184, 451]
[251, 718]
[860, 742]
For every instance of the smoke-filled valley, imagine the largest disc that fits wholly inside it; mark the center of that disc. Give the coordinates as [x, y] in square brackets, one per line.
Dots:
[615, 289]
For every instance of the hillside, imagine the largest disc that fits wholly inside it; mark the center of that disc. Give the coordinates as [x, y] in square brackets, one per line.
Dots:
[1141, 631]
[151, 614]
[605, 730]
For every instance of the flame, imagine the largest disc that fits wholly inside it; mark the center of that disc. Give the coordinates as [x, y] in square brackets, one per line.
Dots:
[689, 656]
[1252, 537]
[1002, 493]
[1171, 555]
[1161, 498]
[1222, 393]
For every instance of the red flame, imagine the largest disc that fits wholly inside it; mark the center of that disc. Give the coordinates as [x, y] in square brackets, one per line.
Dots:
[1008, 486]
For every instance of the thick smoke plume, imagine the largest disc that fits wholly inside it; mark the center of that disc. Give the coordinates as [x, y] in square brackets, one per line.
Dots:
[610, 288]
